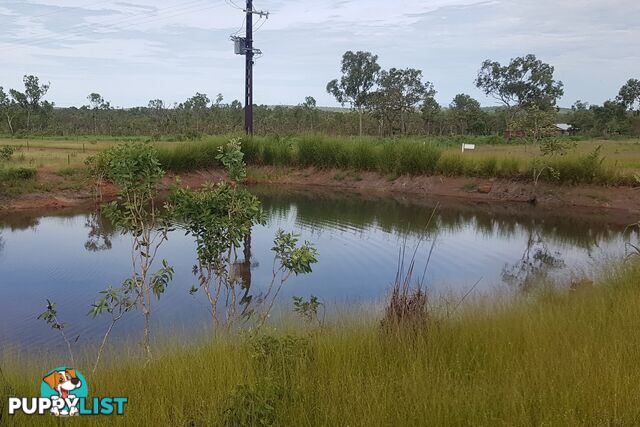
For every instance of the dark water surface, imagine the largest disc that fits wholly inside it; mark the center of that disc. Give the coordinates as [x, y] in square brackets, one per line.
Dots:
[69, 257]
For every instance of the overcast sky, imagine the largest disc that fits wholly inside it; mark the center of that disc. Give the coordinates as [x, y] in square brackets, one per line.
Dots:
[132, 51]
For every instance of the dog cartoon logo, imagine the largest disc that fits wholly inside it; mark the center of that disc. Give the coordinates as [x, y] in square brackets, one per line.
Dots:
[66, 384]
[63, 393]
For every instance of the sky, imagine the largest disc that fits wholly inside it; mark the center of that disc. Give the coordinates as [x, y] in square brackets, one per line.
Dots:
[136, 50]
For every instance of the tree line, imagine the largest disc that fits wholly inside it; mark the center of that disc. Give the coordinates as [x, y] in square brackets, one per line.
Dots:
[380, 102]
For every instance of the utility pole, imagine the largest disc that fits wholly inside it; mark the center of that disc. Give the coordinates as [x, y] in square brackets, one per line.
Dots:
[244, 46]
[248, 91]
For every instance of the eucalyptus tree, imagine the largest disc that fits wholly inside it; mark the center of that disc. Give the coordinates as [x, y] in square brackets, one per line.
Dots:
[629, 95]
[97, 103]
[610, 117]
[198, 103]
[310, 108]
[30, 100]
[160, 114]
[430, 110]
[581, 116]
[524, 83]
[537, 122]
[359, 76]
[8, 108]
[466, 113]
[401, 92]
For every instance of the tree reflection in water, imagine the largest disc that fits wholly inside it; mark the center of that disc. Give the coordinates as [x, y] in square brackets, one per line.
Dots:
[534, 266]
[100, 233]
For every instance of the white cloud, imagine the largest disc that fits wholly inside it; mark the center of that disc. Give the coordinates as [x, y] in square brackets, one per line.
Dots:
[141, 49]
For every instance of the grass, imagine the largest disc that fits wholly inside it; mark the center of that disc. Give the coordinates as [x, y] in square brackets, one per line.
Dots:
[390, 157]
[553, 358]
[415, 157]
[16, 180]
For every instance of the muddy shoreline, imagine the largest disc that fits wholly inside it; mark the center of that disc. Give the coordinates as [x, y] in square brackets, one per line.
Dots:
[616, 205]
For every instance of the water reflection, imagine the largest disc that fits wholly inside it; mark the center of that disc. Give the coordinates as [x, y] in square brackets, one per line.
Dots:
[100, 233]
[535, 265]
[70, 256]
[397, 216]
[241, 271]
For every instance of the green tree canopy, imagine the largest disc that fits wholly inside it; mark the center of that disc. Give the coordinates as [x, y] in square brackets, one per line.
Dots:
[466, 112]
[525, 82]
[359, 74]
[629, 95]
[400, 92]
[97, 102]
[30, 99]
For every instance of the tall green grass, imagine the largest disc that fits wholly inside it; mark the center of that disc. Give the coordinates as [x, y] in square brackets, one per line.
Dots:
[16, 180]
[556, 358]
[397, 157]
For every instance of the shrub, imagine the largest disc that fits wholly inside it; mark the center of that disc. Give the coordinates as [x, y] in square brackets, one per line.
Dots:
[7, 152]
[17, 174]
[495, 139]
[253, 405]
[276, 355]
[584, 169]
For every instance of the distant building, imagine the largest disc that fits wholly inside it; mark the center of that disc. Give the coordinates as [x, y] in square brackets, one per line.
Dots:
[565, 129]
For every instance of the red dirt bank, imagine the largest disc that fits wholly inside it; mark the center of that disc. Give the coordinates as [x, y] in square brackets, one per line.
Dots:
[624, 200]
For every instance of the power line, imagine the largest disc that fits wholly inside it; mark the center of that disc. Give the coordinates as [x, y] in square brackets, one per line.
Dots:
[232, 4]
[264, 20]
[241, 27]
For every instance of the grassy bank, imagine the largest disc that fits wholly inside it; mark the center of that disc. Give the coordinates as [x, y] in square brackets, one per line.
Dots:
[410, 157]
[557, 358]
[618, 161]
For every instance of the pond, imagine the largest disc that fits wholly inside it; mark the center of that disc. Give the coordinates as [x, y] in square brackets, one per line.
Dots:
[70, 256]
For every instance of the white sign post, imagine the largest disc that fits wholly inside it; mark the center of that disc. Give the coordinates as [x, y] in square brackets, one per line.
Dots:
[468, 147]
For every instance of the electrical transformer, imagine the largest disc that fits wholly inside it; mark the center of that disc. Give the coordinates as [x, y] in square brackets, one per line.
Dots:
[240, 45]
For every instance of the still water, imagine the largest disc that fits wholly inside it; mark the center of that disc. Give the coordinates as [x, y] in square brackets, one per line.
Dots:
[69, 257]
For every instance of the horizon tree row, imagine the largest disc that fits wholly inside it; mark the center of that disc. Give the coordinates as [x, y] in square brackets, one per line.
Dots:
[381, 103]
